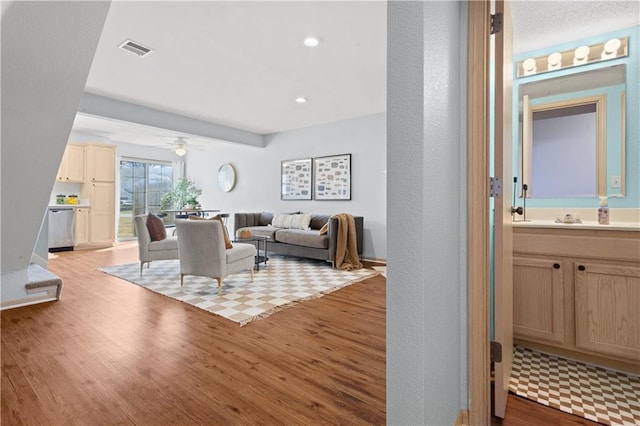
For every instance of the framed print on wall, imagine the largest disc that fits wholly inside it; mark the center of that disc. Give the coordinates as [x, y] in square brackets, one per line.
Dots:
[295, 182]
[332, 177]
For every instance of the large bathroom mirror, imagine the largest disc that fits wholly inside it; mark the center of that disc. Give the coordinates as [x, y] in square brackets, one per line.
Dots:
[572, 135]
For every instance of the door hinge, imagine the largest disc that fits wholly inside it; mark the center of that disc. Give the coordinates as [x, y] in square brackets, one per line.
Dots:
[495, 187]
[496, 352]
[496, 23]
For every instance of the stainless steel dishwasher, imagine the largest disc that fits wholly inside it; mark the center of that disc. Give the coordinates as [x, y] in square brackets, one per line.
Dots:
[61, 228]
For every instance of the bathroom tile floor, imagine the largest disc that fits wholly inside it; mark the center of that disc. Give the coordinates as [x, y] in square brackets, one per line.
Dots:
[595, 393]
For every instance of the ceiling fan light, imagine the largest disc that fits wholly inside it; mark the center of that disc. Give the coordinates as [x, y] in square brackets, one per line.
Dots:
[180, 150]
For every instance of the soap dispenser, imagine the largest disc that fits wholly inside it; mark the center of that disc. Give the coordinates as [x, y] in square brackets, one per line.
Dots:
[603, 211]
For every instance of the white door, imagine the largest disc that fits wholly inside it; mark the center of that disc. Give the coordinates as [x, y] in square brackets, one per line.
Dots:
[503, 248]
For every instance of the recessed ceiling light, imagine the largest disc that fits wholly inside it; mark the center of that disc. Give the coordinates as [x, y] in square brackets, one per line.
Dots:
[301, 99]
[311, 41]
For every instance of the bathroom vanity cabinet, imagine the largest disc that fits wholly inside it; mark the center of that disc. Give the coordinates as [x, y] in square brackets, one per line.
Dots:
[577, 292]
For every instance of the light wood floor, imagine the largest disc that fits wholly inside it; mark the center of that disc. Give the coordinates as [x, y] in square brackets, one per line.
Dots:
[110, 352]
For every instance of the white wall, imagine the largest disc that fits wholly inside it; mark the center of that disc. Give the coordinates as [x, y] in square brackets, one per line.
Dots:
[258, 170]
[426, 267]
[47, 50]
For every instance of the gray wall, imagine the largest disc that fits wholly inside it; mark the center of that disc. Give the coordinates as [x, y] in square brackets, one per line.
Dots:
[426, 312]
[258, 170]
[47, 49]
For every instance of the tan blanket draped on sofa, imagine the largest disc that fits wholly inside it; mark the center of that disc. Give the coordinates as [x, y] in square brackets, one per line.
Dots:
[347, 244]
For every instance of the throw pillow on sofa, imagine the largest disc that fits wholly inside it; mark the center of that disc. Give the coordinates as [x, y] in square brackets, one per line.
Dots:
[227, 242]
[156, 228]
[292, 221]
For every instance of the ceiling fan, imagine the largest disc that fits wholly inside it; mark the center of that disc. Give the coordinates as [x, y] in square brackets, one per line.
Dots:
[180, 146]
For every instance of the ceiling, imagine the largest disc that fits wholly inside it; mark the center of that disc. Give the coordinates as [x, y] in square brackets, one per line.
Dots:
[242, 64]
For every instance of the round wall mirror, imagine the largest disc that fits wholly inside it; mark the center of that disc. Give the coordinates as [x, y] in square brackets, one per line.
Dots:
[226, 177]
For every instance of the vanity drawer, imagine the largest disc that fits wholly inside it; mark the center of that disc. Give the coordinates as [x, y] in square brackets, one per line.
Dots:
[612, 245]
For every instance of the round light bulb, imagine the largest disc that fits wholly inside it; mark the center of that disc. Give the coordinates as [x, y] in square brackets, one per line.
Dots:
[311, 41]
[612, 45]
[554, 60]
[610, 49]
[180, 150]
[581, 55]
[529, 66]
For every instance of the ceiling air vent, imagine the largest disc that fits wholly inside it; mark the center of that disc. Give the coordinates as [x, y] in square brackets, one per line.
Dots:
[133, 47]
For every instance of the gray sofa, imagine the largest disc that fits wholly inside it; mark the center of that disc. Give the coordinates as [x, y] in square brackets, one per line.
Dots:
[298, 242]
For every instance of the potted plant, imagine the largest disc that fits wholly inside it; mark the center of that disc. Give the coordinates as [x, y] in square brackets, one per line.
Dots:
[192, 203]
[184, 193]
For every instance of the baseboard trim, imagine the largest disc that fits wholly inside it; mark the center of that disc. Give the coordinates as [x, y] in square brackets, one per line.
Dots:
[92, 246]
[463, 418]
[611, 362]
[374, 260]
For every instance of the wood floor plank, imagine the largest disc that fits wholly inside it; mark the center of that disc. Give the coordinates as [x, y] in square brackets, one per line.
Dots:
[111, 352]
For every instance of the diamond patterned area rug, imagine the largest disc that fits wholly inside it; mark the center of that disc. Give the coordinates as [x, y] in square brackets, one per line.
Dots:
[283, 282]
[595, 393]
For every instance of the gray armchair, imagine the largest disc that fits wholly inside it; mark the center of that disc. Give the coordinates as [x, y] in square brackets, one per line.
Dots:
[201, 246]
[153, 250]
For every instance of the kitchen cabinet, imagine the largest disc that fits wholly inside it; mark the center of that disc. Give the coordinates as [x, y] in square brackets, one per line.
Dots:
[102, 213]
[82, 226]
[99, 189]
[100, 163]
[71, 168]
[577, 293]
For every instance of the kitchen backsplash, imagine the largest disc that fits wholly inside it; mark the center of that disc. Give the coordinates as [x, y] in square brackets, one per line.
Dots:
[64, 189]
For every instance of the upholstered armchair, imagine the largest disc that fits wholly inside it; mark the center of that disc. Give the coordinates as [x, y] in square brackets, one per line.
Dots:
[203, 252]
[148, 250]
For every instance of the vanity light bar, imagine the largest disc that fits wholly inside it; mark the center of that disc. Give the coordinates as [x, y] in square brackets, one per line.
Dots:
[611, 49]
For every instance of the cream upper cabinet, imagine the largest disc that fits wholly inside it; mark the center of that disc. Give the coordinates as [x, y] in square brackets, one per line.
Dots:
[72, 165]
[101, 163]
[99, 189]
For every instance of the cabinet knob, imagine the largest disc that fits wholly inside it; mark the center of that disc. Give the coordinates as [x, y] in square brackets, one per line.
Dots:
[581, 268]
[556, 266]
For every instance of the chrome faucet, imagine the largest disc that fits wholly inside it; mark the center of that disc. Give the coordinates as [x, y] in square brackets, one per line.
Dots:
[519, 210]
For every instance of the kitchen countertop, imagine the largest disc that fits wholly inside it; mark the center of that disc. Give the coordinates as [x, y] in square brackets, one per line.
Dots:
[75, 206]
